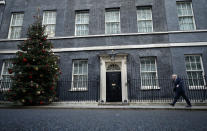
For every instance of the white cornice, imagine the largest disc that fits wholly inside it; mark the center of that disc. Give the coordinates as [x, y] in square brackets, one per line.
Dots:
[111, 35]
[2, 2]
[119, 47]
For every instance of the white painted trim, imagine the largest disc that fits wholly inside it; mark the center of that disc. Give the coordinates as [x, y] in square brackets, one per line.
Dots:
[118, 47]
[150, 88]
[197, 87]
[112, 35]
[167, 45]
[9, 34]
[1, 77]
[79, 89]
[2, 2]
[195, 27]
[4, 89]
[122, 60]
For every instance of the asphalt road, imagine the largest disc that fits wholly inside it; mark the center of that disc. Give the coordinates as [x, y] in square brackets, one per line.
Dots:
[101, 120]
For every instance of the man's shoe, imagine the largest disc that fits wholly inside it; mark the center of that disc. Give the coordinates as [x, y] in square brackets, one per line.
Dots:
[171, 104]
[188, 106]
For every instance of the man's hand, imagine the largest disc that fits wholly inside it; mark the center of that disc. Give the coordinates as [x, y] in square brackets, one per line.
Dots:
[177, 86]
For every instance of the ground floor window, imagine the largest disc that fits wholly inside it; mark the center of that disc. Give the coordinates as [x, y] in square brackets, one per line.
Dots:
[5, 79]
[80, 75]
[149, 73]
[195, 72]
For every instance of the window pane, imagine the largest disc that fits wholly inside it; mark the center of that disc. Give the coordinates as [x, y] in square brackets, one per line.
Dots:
[112, 19]
[17, 19]
[112, 28]
[195, 78]
[49, 20]
[144, 19]
[82, 30]
[82, 23]
[149, 79]
[193, 63]
[194, 70]
[6, 77]
[75, 81]
[50, 30]
[148, 71]
[16, 25]
[185, 14]
[85, 68]
[80, 74]
[148, 64]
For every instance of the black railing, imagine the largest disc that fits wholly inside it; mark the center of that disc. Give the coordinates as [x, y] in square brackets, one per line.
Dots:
[161, 90]
[78, 91]
[139, 90]
[4, 87]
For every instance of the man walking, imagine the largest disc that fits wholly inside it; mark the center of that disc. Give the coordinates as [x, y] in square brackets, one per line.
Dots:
[179, 90]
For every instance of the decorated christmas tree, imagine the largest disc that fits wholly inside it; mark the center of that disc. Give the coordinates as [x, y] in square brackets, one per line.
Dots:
[35, 69]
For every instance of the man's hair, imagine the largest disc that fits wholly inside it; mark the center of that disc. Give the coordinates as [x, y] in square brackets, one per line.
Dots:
[175, 75]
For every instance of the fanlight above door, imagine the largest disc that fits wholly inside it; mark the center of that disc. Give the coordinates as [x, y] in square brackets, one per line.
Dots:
[113, 67]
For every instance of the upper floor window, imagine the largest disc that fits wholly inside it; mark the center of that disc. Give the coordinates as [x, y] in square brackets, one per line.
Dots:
[16, 25]
[80, 75]
[82, 23]
[195, 72]
[49, 21]
[5, 79]
[186, 16]
[144, 19]
[148, 72]
[112, 21]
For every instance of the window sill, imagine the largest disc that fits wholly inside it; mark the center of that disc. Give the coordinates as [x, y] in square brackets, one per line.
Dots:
[197, 87]
[78, 90]
[2, 2]
[4, 89]
[150, 88]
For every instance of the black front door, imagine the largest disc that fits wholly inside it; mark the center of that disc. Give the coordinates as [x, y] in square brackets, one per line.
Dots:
[113, 87]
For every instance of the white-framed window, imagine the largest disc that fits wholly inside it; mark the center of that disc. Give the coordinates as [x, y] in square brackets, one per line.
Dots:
[49, 21]
[195, 71]
[148, 72]
[112, 21]
[5, 79]
[186, 16]
[82, 23]
[80, 75]
[144, 19]
[16, 25]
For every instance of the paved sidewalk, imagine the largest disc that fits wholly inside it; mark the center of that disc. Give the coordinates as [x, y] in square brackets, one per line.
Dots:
[150, 106]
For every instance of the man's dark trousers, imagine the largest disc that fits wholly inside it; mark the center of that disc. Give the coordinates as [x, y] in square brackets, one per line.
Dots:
[179, 91]
[178, 95]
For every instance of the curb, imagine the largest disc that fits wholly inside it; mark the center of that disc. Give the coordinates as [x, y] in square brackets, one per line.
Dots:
[158, 107]
[95, 105]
